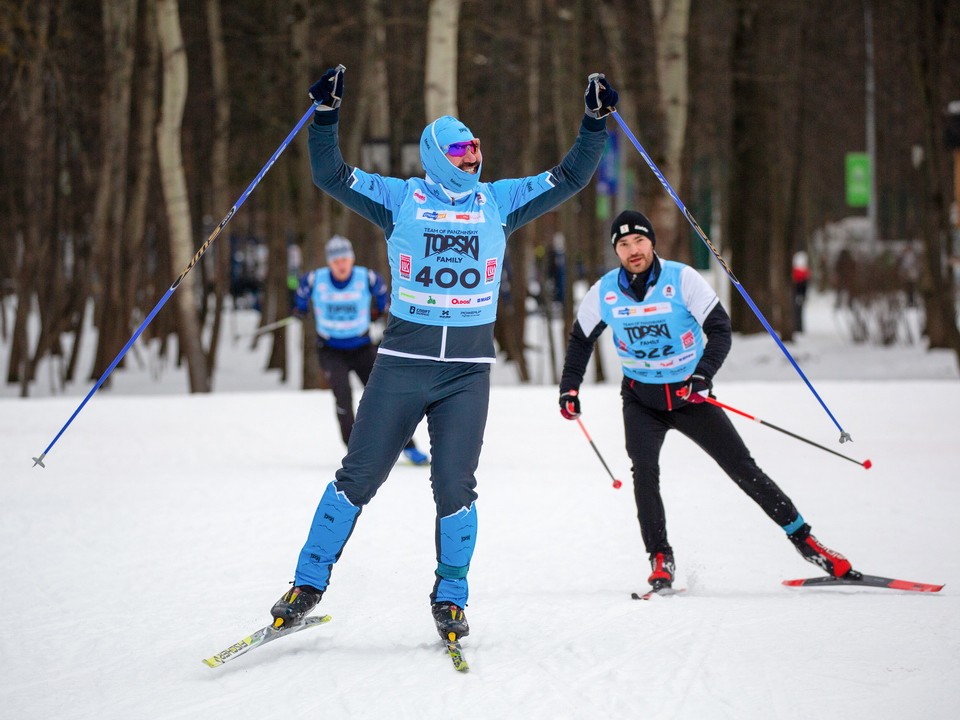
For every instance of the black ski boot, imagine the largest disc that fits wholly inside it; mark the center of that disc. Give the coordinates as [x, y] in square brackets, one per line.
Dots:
[450, 619]
[663, 568]
[294, 605]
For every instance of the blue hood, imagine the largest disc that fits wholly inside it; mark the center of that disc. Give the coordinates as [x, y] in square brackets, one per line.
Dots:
[439, 134]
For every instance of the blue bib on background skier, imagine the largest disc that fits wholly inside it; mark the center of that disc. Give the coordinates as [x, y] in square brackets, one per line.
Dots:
[657, 339]
[341, 312]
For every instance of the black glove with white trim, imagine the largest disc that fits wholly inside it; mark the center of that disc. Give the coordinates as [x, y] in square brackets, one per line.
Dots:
[327, 92]
[600, 98]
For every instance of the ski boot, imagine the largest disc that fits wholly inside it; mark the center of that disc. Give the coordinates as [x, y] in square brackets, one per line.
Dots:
[415, 456]
[450, 619]
[663, 568]
[294, 605]
[813, 551]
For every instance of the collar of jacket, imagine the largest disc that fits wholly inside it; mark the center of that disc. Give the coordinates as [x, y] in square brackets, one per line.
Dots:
[442, 193]
[628, 281]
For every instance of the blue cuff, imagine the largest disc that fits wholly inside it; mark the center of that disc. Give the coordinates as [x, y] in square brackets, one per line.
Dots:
[794, 526]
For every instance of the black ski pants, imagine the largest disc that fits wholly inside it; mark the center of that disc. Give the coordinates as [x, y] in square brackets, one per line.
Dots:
[710, 428]
[337, 365]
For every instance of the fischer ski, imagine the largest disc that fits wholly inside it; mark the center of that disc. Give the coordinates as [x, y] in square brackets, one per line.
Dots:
[456, 652]
[262, 637]
[663, 592]
[855, 578]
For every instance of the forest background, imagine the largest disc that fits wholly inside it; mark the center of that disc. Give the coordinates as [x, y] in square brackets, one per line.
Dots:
[129, 128]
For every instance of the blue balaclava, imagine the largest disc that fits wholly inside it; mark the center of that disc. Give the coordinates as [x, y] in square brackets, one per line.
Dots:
[437, 135]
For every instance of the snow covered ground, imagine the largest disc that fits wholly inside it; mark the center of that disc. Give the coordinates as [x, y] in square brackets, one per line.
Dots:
[165, 525]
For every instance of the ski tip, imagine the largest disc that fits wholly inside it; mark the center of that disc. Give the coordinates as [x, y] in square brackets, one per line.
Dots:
[794, 583]
[914, 586]
[212, 662]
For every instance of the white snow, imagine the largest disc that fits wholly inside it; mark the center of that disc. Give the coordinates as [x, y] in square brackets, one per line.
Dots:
[165, 525]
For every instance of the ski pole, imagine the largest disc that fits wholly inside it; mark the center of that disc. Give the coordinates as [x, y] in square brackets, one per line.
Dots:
[844, 436]
[865, 463]
[196, 258]
[616, 483]
[266, 328]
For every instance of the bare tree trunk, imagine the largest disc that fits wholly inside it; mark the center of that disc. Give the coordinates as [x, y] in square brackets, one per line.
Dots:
[175, 188]
[219, 168]
[119, 31]
[671, 19]
[533, 17]
[32, 121]
[751, 180]
[134, 245]
[312, 207]
[563, 67]
[927, 53]
[440, 90]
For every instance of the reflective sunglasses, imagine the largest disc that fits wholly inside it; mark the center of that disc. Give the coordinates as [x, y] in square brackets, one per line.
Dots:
[460, 149]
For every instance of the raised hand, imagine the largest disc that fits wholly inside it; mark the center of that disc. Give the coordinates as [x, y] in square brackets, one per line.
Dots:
[327, 92]
[600, 98]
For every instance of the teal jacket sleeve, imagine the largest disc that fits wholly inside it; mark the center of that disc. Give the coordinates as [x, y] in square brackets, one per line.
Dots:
[374, 197]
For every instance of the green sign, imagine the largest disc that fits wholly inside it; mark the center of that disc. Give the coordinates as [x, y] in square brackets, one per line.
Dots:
[858, 179]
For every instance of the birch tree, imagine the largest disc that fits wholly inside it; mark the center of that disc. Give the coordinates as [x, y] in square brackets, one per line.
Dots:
[440, 88]
[671, 18]
[174, 185]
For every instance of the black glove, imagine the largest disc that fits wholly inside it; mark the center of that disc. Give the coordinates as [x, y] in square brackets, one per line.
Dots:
[600, 98]
[696, 389]
[327, 92]
[570, 405]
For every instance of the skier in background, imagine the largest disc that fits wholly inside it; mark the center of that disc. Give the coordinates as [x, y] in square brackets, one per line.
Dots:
[660, 311]
[341, 295]
[800, 275]
[446, 239]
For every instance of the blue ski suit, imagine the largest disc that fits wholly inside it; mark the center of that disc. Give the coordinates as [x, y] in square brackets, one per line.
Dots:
[446, 238]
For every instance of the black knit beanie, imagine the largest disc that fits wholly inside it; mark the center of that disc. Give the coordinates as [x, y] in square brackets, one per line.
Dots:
[629, 222]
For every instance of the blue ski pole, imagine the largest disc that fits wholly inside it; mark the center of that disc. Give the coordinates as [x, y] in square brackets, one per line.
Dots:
[844, 436]
[176, 283]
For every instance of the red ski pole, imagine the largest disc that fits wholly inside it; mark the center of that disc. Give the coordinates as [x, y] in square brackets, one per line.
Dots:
[866, 463]
[616, 483]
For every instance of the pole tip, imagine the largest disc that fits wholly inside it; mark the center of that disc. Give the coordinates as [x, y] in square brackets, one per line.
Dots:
[845, 437]
[617, 484]
[867, 464]
[39, 461]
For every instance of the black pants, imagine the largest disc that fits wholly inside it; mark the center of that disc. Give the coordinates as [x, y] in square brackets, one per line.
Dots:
[710, 428]
[337, 365]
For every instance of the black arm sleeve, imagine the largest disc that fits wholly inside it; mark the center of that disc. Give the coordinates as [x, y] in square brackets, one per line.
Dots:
[579, 350]
[716, 327]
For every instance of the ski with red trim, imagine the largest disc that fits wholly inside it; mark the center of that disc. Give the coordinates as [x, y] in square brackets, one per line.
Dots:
[854, 578]
[663, 592]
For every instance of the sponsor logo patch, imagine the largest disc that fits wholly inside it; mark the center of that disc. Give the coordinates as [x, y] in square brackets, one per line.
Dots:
[450, 217]
[436, 243]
